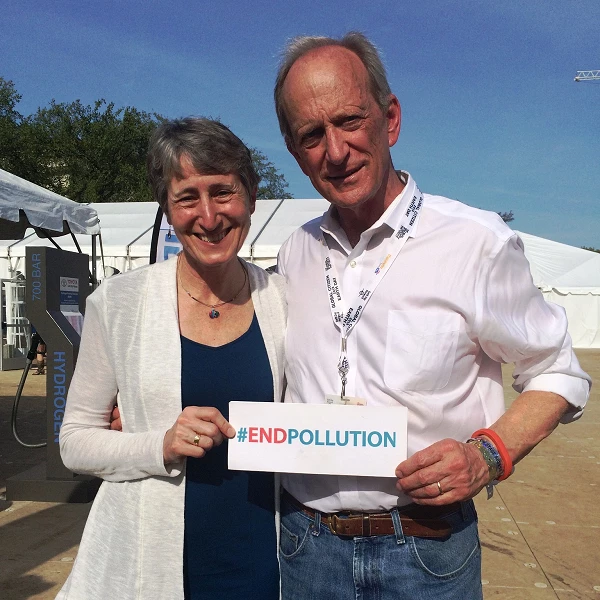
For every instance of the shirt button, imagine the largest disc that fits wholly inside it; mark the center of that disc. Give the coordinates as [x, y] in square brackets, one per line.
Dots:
[353, 263]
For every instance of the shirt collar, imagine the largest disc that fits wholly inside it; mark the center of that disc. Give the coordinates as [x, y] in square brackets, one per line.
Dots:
[389, 219]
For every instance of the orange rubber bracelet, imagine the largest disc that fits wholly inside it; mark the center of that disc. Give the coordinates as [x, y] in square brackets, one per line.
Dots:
[507, 465]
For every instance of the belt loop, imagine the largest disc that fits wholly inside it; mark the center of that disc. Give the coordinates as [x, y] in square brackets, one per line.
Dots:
[315, 528]
[397, 526]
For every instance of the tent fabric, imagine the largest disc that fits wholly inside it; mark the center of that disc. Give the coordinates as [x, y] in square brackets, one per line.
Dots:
[122, 225]
[567, 276]
[583, 313]
[24, 204]
[562, 267]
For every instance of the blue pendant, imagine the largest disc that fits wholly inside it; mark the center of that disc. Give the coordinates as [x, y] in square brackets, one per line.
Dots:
[213, 314]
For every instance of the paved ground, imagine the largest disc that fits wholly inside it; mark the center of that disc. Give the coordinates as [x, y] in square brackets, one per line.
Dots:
[540, 532]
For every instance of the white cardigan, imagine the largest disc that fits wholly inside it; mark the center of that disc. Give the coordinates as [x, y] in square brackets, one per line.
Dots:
[132, 546]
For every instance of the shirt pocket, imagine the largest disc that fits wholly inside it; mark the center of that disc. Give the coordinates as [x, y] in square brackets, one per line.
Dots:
[420, 349]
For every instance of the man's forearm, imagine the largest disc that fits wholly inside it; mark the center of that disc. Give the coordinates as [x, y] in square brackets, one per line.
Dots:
[532, 417]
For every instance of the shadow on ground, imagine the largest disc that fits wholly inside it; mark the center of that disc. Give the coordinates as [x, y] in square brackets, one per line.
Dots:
[39, 545]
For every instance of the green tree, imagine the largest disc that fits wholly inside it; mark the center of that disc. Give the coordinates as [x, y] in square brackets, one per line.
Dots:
[507, 217]
[591, 249]
[272, 183]
[10, 120]
[91, 153]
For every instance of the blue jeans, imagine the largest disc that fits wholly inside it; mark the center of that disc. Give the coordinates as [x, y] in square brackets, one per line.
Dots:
[316, 564]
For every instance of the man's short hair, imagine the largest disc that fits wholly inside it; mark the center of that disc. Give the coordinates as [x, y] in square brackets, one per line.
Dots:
[354, 41]
[211, 148]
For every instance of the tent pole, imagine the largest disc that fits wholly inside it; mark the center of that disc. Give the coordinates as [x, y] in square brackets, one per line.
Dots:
[94, 268]
[74, 238]
[129, 246]
[44, 234]
[102, 255]
[262, 229]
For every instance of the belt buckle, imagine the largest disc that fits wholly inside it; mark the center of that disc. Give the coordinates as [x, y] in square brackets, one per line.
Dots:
[336, 518]
[333, 523]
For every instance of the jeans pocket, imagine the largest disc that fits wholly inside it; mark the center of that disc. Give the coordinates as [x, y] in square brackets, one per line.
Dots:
[448, 558]
[295, 528]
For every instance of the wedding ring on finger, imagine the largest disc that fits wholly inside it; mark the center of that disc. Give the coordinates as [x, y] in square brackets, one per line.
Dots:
[439, 486]
[196, 440]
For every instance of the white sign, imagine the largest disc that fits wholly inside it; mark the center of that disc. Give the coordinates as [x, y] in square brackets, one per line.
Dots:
[317, 438]
[69, 284]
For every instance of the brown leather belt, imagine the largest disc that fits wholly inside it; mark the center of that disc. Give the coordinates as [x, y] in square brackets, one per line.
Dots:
[417, 521]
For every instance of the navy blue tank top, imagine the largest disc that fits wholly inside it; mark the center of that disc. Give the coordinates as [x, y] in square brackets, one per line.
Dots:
[230, 546]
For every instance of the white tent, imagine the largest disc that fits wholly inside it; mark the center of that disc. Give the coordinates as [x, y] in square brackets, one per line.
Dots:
[122, 226]
[569, 277]
[566, 275]
[126, 234]
[25, 206]
[26, 210]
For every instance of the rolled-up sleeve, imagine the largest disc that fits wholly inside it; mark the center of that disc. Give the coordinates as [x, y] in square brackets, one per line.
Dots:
[516, 325]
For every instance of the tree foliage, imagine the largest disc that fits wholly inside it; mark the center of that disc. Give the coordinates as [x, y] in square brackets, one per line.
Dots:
[507, 217]
[10, 120]
[91, 153]
[591, 249]
[272, 183]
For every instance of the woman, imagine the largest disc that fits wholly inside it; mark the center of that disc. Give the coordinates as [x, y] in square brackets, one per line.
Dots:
[170, 521]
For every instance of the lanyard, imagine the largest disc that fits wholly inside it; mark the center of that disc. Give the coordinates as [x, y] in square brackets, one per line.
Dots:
[346, 318]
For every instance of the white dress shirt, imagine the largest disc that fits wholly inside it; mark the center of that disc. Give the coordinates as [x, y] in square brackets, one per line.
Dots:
[456, 302]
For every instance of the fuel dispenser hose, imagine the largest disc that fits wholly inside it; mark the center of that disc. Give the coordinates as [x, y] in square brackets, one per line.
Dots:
[35, 340]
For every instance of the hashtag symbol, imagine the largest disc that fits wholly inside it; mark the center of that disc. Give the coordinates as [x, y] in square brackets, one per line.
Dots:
[242, 434]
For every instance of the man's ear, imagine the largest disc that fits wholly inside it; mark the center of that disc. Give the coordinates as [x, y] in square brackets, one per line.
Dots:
[394, 120]
[252, 200]
[291, 149]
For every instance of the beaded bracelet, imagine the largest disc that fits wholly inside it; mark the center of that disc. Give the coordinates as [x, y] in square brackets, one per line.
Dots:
[494, 452]
[496, 440]
[492, 459]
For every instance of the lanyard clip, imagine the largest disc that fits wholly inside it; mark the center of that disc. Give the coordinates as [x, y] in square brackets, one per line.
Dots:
[343, 392]
[343, 368]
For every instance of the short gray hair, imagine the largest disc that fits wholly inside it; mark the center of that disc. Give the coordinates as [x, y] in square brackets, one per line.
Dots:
[211, 148]
[354, 41]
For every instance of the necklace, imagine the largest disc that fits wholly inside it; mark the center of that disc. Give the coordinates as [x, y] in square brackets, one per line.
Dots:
[213, 314]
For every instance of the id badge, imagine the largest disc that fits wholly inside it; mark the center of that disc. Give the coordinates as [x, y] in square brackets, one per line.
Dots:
[347, 400]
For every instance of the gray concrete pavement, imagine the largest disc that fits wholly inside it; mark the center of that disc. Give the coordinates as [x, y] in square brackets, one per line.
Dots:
[540, 532]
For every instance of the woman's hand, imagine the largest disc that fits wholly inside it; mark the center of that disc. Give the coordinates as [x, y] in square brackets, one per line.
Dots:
[197, 430]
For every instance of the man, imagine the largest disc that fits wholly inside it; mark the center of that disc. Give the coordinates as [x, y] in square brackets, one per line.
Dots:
[415, 301]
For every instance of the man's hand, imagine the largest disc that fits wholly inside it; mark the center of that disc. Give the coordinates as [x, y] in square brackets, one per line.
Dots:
[459, 468]
[115, 419]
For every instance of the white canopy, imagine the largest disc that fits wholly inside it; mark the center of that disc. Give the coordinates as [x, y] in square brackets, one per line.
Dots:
[566, 275]
[127, 234]
[563, 267]
[569, 277]
[24, 204]
[122, 224]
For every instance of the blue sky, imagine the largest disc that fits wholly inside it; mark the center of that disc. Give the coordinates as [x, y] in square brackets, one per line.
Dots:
[491, 114]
